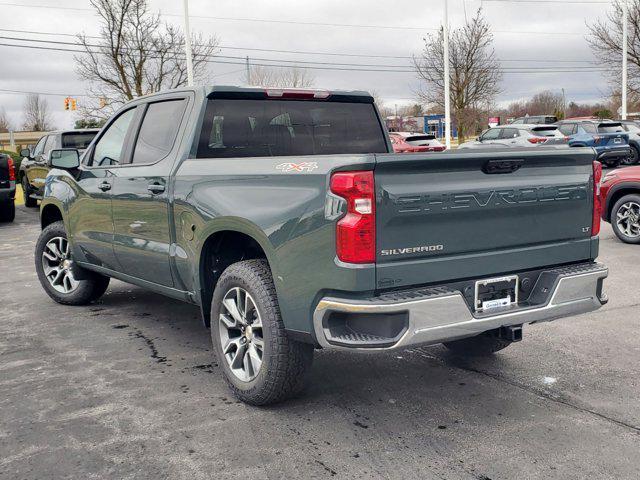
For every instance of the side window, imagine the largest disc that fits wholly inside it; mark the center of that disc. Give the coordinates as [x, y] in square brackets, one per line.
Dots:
[518, 121]
[50, 144]
[492, 134]
[158, 131]
[108, 150]
[39, 148]
[589, 128]
[567, 129]
[509, 133]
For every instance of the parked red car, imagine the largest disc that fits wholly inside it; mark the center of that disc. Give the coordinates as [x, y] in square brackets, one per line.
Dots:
[405, 142]
[620, 198]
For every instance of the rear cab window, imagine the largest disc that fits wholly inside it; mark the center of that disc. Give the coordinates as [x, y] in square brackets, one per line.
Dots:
[77, 140]
[238, 127]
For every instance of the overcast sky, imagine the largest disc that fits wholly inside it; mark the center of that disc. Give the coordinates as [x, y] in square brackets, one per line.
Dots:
[525, 33]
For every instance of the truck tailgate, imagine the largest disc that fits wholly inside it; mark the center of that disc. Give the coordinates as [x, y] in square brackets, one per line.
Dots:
[464, 215]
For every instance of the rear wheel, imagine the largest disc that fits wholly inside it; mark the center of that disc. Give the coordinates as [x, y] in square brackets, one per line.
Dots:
[26, 194]
[479, 346]
[633, 157]
[54, 265]
[7, 211]
[261, 364]
[625, 219]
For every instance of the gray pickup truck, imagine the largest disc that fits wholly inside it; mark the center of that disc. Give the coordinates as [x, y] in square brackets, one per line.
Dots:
[284, 215]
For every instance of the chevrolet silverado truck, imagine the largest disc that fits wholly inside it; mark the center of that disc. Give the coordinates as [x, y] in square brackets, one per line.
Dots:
[287, 218]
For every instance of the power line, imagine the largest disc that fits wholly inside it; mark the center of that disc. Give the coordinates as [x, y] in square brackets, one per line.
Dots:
[304, 52]
[311, 64]
[306, 23]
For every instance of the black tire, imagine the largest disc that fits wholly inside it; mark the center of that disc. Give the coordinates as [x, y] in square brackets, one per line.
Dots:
[90, 288]
[26, 191]
[619, 207]
[633, 158]
[479, 346]
[7, 211]
[285, 362]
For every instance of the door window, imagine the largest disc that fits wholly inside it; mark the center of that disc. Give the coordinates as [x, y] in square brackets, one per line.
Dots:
[158, 131]
[110, 147]
[39, 148]
[50, 144]
[491, 134]
[567, 128]
[509, 133]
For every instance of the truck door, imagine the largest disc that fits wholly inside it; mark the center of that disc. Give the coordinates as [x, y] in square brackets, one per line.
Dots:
[141, 214]
[90, 217]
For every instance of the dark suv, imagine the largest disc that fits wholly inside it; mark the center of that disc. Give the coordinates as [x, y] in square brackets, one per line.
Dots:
[35, 163]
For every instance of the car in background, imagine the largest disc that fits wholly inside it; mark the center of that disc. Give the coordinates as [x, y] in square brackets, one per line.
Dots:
[407, 143]
[535, 120]
[620, 199]
[518, 136]
[633, 129]
[7, 188]
[35, 162]
[422, 140]
[607, 137]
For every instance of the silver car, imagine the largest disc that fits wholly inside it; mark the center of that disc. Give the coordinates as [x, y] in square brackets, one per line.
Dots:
[518, 136]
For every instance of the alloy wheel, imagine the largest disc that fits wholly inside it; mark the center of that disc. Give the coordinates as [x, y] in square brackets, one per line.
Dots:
[628, 219]
[241, 334]
[56, 263]
[632, 159]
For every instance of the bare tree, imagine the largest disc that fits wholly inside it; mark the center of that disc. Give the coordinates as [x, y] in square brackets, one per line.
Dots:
[36, 114]
[135, 55]
[475, 73]
[292, 77]
[605, 40]
[543, 103]
[5, 125]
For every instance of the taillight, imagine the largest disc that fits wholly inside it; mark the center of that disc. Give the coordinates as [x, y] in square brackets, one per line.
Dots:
[12, 169]
[596, 139]
[537, 140]
[356, 231]
[597, 201]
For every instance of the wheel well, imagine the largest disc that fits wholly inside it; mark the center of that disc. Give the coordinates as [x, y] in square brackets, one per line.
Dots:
[49, 215]
[617, 195]
[221, 250]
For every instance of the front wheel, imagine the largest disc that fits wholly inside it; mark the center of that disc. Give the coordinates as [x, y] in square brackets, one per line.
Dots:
[625, 219]
[478, 346]
[26, 194]
[54, 265]
[261, 364]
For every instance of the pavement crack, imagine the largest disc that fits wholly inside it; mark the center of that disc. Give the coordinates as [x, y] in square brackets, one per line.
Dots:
[547, 396]
[149, 342]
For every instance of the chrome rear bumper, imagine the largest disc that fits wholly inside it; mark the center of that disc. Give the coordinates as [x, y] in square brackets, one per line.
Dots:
[436, 315]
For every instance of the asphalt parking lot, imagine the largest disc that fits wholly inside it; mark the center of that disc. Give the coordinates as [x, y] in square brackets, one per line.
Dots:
[127, 388]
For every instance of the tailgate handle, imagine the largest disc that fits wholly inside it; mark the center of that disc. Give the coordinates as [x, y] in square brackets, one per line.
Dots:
[502, 166]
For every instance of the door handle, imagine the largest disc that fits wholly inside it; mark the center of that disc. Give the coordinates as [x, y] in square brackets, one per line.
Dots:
[104, 186]
[155, 187]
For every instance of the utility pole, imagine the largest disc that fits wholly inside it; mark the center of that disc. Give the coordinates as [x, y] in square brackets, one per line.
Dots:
[187, 44]
[447, 86]
[248, 71]
[564, 105]
[625, 22]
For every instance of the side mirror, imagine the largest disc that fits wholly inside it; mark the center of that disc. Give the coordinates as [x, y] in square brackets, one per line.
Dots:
[64, 158]
[478, 139]
[25, 152]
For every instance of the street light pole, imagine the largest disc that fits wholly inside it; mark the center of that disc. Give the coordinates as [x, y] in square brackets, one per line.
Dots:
[187, 44]
[447, 86]
[625, 21]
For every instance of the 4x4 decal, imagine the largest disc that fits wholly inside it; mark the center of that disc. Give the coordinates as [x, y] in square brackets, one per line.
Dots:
[297, 167]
